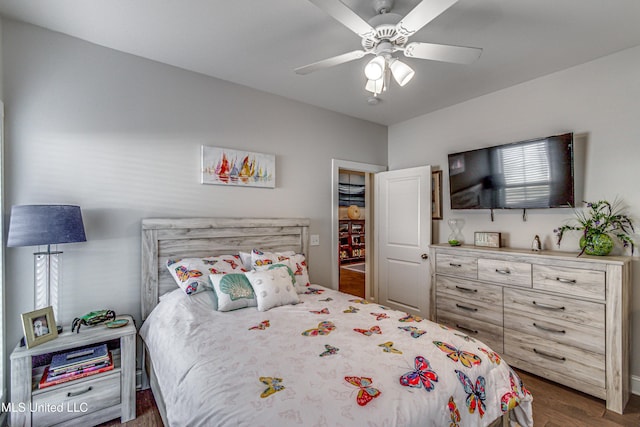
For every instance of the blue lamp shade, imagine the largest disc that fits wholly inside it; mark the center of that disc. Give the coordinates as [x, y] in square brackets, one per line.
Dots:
[34, 225]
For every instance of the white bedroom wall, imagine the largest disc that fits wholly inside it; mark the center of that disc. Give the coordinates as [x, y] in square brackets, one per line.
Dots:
[120, 136]
[598, 99]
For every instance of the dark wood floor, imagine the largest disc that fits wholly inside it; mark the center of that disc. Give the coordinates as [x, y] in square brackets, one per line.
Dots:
[553, 406]
[147, 414]
[558, 406]
[352, 282]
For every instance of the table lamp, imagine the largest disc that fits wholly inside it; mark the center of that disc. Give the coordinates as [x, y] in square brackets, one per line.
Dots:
[36, 225]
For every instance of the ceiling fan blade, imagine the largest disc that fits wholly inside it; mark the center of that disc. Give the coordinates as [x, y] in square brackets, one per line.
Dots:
[442, 52]
[330, 62]
[347, 17]
[425, 12]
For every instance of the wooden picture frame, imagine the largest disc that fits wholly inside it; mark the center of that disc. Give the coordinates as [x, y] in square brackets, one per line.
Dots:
[436, 195]
[487, 239]
[39, 326]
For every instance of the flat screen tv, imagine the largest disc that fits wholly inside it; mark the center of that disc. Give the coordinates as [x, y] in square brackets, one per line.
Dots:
[522, 175]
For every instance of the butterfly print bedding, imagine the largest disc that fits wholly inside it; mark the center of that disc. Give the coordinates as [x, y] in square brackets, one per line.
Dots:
[366, 392]
[421, 377]
[332, 359]
[368, 332]
[466, 358]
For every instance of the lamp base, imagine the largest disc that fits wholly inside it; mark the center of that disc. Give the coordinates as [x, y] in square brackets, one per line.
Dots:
[47, 269]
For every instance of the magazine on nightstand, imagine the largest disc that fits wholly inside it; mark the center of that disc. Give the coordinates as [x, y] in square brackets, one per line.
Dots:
[48, 379]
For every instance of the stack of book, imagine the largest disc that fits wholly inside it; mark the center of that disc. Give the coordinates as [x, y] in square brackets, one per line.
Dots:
[76, 364]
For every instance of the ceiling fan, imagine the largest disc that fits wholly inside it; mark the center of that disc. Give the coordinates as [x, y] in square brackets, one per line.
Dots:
[388, 33]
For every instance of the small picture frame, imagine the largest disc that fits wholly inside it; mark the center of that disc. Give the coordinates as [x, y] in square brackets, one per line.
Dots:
[487, 239]
[39, 326]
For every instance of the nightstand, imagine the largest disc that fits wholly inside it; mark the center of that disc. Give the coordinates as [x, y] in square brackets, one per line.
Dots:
[85, 401]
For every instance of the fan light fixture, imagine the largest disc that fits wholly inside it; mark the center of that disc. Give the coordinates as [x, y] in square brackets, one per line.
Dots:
[375, 86]
[378, 69]
[374, 70]
[402, 73]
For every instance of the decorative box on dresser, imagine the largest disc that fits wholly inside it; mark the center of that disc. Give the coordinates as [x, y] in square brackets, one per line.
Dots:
[80, 402]
[556, 315]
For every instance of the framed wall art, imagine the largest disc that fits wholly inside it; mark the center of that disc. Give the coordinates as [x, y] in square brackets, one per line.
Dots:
[224, 166]
[39, 326]
[436, 195]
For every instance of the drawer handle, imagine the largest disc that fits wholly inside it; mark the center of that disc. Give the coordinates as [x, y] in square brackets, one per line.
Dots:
[465, 289]
[549, 355]
[464, 307]
[506, 271]
[548, 307]
[568, 281]
[470, 331]
[455, 265]
[78, 393]
[544, 328]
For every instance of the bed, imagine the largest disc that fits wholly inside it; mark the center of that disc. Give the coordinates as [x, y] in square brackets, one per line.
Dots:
[320, 358]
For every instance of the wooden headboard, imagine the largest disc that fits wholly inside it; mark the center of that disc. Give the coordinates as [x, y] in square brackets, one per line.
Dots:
[164, 238]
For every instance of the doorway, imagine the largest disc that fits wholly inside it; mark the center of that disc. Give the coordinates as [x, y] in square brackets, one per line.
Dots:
[353, 212]
[352, 227]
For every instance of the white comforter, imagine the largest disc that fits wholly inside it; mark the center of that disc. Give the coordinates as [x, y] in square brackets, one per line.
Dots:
[311, 367]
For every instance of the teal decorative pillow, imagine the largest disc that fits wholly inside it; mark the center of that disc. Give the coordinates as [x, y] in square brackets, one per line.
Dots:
[233, 291]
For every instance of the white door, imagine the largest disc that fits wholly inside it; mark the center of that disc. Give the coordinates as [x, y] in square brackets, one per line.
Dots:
[403, 224]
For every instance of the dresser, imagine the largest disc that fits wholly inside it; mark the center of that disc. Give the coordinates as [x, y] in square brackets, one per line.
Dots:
[556, 315]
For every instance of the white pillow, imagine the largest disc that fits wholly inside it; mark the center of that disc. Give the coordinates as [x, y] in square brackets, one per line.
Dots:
[191, 273]
[273, 288]
[298, 265]
[246, 260]
[261, 259]
[296, 262]
[233, 291]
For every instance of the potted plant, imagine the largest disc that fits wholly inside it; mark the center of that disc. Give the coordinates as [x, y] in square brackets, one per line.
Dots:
[599, 222]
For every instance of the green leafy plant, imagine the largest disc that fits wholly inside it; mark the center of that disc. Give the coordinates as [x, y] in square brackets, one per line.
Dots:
[597, 219]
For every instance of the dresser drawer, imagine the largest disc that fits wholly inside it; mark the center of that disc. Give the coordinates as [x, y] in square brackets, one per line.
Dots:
[571, 281]
[457, 265]
[551, 327]
[489, 334]
[470, 308]
[567, 365]
[76, 399]
[467, 290]
[555, 308]
[505, 272]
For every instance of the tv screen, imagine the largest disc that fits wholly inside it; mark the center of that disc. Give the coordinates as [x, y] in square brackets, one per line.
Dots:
[522, 175]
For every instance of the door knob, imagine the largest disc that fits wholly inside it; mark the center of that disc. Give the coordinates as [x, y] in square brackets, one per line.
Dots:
[424, 256]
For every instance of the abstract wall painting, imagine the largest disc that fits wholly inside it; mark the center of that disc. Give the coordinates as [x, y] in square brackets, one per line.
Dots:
[224, 166]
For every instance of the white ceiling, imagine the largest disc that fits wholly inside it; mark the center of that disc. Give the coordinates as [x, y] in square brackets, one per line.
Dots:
[258, 43]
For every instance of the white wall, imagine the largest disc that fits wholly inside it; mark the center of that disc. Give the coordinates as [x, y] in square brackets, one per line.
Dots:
[120, 136]
[599, 99]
